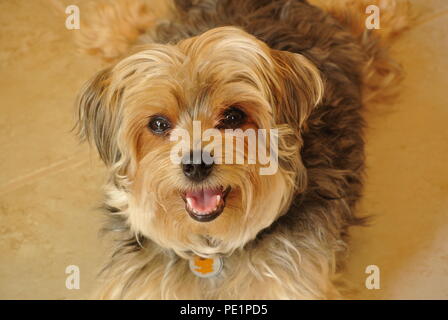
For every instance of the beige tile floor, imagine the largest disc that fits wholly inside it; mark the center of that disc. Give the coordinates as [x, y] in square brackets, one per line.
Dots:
[50, 185]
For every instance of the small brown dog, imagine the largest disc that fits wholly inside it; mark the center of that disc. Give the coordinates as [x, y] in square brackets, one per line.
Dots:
[198, 230]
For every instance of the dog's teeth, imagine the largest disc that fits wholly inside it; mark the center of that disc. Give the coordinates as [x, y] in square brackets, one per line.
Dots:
[190, 203]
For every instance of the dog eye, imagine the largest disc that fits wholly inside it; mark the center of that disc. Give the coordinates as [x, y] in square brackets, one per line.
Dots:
[159, 125]
[232, 118]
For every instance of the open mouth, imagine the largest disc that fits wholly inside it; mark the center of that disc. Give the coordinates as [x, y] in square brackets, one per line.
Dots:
[205, 205]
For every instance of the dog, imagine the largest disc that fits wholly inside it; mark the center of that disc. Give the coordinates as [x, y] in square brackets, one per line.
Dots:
[215, 230]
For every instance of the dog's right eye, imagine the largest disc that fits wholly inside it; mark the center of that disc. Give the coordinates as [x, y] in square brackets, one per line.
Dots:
[159, 125]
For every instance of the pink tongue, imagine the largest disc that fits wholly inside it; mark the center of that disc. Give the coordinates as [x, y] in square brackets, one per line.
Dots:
[204, 201]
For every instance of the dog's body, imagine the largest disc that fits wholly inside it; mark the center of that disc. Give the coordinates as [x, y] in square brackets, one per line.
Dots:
[286, 243]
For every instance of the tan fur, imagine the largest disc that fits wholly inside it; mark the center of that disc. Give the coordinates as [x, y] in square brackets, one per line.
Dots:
[112, 26]
[167, 223]
[280, 236]
[268, 272]
[381, 74]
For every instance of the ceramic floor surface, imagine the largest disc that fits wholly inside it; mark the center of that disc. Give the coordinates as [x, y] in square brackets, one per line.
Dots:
[50, 185]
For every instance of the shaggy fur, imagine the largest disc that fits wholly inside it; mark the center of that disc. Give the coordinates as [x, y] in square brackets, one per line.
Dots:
[291, 66]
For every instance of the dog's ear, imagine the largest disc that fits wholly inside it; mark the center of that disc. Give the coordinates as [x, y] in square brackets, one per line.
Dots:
[298, 90]
[98, 115]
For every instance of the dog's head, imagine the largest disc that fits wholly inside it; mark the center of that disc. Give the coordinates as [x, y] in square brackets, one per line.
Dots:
[140, 110]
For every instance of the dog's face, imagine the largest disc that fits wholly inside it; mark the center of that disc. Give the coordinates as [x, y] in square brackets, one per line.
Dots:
[222, 79]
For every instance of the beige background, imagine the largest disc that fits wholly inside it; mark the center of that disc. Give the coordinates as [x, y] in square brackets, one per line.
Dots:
[50, 185]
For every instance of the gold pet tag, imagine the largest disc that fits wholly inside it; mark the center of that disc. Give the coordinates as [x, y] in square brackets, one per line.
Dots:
[206, 267]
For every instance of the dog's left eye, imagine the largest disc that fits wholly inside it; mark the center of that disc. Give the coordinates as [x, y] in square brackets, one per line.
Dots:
[232, 118]
[159, 125]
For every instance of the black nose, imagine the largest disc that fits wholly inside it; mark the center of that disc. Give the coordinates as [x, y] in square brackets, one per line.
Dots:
[196, 171]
